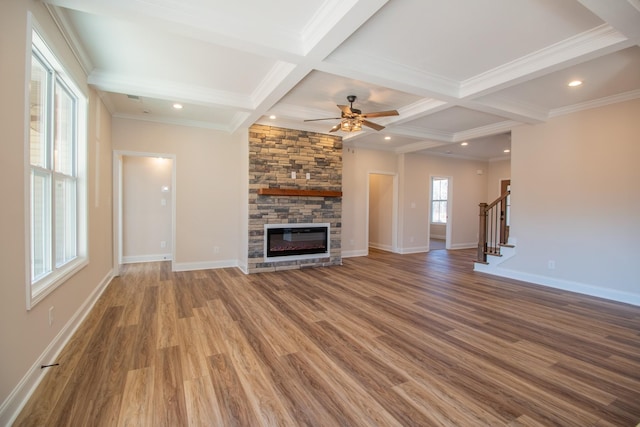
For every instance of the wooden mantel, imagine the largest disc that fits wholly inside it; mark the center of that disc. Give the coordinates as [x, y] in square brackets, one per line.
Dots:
[298, 192]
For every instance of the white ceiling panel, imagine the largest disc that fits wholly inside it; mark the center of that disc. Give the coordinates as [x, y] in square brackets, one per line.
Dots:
[614, 74]
[458, 39]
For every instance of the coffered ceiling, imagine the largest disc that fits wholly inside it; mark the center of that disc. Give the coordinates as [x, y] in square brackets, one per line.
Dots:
[456, 70]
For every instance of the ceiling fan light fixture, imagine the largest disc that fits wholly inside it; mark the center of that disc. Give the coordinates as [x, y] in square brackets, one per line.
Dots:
[350, 125]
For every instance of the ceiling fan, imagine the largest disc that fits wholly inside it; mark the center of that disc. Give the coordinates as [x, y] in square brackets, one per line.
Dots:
[352, 119]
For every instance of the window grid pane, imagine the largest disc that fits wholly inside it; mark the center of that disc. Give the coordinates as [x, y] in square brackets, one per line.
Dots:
[38, 130]
[40, 224]
[65, 220]
[64, 140]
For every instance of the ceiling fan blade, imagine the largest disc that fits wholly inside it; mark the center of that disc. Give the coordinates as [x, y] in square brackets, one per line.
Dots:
[372, 125]
[346, 110]
[381, 114]
[328, 118]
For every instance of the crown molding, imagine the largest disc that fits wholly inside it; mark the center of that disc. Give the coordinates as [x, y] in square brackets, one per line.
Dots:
[492, 129]
[542, 61]
[614, 99]
[173, 121]
[70, 37]
[155, 88]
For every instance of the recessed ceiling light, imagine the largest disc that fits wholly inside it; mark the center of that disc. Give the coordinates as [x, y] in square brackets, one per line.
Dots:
[575, 83]
[464, 144]
[387, 138]
[507, 150]
[272, 117]
[177, 106]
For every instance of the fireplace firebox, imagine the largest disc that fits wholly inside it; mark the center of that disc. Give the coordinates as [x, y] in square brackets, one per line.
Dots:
[296, 241]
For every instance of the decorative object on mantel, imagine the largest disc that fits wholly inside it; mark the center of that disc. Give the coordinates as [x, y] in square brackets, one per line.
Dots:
[352, 119]
[298, 192]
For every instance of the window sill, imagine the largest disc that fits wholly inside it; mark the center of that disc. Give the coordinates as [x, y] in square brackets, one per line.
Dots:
[38, 291]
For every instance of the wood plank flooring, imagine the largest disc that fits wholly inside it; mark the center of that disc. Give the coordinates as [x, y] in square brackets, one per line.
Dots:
[384, 340]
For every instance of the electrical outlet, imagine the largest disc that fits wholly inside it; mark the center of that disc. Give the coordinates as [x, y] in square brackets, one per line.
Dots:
[293, 175]
[216, 249]
[551, 264]
[50, 315]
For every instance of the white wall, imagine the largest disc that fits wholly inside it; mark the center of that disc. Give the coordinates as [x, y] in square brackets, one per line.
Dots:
[576, 201]
[26, 337]
[146, 208]
[209, 180]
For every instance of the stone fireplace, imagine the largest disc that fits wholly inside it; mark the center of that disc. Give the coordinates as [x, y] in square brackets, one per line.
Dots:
[295, 184]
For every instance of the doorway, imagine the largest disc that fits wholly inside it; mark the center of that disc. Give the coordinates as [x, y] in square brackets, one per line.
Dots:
[382, 211]
[144, 208]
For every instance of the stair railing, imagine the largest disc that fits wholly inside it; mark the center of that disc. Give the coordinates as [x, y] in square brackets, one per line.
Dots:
[492, 233]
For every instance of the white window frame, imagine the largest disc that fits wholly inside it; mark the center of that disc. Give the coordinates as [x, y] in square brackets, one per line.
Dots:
[38, 288]
[432, 201]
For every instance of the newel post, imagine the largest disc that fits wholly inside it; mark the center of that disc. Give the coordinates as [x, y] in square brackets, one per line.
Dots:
[482, 234]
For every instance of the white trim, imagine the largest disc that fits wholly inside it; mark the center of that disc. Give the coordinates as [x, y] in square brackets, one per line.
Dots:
[133, 259]
[13, 404]
[381, 247]
[414, 250]
[355, 253]
[567, 285]
[204, 265]
[37, 290]
[469, 245]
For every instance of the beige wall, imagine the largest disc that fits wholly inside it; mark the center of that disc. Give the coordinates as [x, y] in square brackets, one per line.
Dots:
[208, 187]
[26, 335]
[146, 208]
[357, 165]
[576, 201]
[467, 190]
[497, 171]
[381, 211]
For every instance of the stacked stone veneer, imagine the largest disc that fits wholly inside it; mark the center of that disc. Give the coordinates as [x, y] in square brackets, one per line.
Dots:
[273, 154]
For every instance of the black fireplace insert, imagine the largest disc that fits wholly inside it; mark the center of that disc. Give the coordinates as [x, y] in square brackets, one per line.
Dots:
[289, 241]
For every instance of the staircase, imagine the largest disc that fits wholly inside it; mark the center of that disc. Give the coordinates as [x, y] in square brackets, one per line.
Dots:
[493, 237]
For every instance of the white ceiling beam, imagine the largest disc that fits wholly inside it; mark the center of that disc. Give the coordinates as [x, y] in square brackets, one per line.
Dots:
[163, 89]
[588, 45]
[321, 38]
[620, 14]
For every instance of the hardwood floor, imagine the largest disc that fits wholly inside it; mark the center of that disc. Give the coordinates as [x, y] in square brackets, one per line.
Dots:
[388, 340]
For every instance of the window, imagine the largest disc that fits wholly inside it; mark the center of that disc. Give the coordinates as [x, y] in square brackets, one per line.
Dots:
[439, 196]
[56, 153]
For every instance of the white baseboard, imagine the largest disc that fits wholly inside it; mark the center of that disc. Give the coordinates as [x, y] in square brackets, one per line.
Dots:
[13, 404]
[414, 250]
[355, 253]
[204, 265]
[438, 236]
[145, 258]
[464, 245]
[381, 246]
[567, 285]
